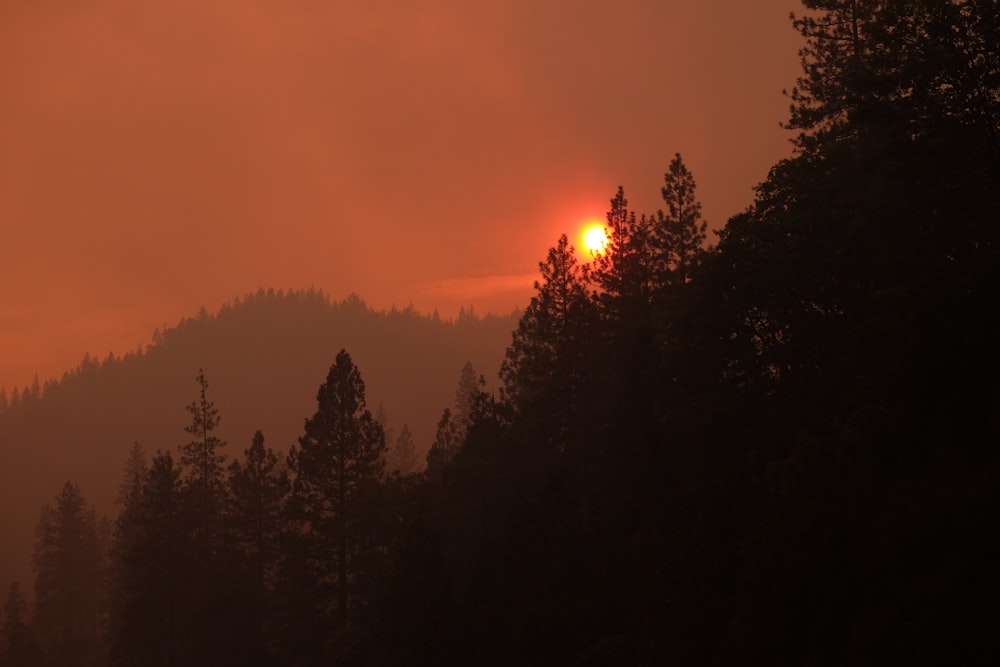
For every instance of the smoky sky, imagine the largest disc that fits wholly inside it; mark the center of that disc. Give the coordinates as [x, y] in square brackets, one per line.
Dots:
[157, 156]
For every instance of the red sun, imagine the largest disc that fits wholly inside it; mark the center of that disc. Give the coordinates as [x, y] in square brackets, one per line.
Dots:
[595, 238]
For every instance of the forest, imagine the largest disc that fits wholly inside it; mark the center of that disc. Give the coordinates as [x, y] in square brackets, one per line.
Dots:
[780, 447]
[264, 353]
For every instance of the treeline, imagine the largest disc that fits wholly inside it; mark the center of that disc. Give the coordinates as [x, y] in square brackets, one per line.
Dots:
[780, 450]
[265, 354]
[262, 559]
[263, 308]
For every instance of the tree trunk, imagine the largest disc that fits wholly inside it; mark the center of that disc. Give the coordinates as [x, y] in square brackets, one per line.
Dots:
[342, 548]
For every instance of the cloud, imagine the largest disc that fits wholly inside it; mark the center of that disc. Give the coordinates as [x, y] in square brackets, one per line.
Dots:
[478, 287]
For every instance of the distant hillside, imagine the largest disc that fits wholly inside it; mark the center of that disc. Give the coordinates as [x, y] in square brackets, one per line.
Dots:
[264, 356]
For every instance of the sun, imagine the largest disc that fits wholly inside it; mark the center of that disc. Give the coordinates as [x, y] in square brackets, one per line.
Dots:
[595, 238]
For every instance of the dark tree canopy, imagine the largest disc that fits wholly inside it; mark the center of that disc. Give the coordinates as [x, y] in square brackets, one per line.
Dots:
[69, 566]
[679, 232]
[624, 271]
[403, 457]
[781, 450]
[20, 648]
[201, 455]
[545, 357]
[340, 456]
[151, 551]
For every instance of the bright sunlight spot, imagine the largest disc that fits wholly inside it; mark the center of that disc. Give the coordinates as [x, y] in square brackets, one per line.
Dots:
[595, 238]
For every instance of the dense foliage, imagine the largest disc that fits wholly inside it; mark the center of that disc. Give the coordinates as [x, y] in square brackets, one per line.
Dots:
[782, 450]
[265, 354]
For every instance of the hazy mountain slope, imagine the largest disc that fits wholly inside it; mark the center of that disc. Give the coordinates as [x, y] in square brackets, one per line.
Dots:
[264, 357]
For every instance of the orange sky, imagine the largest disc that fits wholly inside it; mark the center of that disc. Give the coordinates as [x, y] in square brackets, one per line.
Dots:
[161, 155]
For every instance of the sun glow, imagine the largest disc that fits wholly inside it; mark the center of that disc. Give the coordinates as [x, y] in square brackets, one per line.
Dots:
[595, 239]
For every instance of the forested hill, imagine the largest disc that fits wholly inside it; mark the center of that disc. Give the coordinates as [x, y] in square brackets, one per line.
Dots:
[780, 450]
[264, 356]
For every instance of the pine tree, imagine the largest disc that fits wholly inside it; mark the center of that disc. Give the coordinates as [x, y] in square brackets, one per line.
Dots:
[465, 396]
[547, 358]
[679, 232]
[69, 567]
[625, 271]
[152, 551]
[133, 475]
[21, 648]
[835, 89]
[454, 425]
[886, 210]
[338, 459]
[382, 419]
[206, 475]
[871, 66]
[123, 579]
[447, 442]
[405, 454]
[258, 487]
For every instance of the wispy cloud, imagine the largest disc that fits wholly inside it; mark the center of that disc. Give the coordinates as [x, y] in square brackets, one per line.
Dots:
[477, 287]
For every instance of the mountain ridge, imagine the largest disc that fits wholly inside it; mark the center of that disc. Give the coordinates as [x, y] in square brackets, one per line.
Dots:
[264, 356]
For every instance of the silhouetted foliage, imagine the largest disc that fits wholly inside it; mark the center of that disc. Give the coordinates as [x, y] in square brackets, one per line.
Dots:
[447, 441]
[625, 270]
[205, 478]
[20, 648]
[548, 355]
[773, 473]
[69, 565]
[403, 457]
[778, 451]
[151, 553]
[263, 355]
[338, 461]
[679, 232]
[257, 489]
[465, 395]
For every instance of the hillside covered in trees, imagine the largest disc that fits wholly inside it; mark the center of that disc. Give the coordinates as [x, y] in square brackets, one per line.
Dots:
[783, 449]
[264, 354]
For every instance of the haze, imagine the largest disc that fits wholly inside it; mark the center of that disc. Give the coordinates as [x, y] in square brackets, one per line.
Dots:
[160, 156]
[775, 445]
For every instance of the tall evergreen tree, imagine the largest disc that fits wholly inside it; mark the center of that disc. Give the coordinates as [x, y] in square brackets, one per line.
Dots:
[871, 65]
[465, 396]
[338, 460]
[20, 649]
[152, 550]
[258, 487]
[69, 566]
[133, 475]
[404, 455]
[834, 91]
[123, 579]
[206, 476]
[382, 419]
[547, 356]
[867, 237]
[454, 424]
[679, 232]
[625, 270]
[447, 442]
[209, 582]
[853, 290]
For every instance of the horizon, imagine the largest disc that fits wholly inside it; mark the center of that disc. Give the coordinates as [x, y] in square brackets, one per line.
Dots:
[155, 158]
[743, 409]
[450, 316]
